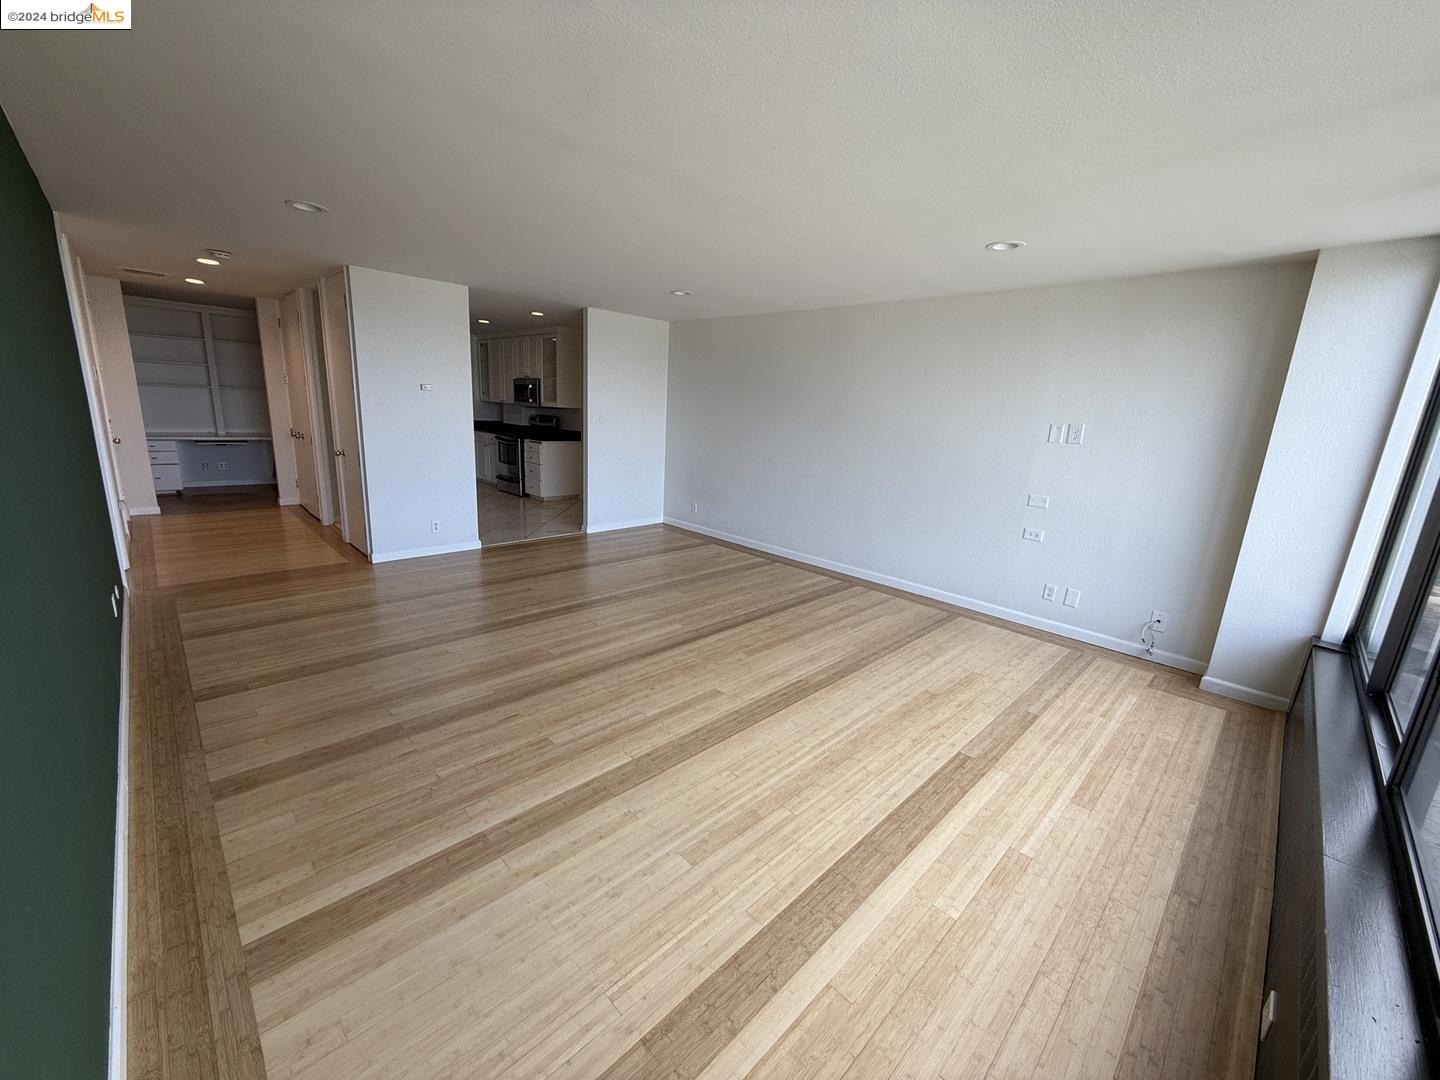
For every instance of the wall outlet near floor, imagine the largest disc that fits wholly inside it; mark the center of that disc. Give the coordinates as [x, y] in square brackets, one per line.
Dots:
[1072, 598]
[1159, 620]
[1047, 591]
[1037, 535]
[695, 508]
[434, 526]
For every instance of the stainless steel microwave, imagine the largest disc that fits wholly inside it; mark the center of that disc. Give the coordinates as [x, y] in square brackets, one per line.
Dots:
[527, 391]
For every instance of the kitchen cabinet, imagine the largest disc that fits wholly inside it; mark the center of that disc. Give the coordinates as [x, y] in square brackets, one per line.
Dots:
[485, 457]
[552, 469]
[560, 370]
[553, 357]
[480, 370]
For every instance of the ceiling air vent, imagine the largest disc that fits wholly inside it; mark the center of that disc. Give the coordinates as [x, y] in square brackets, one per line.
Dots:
[140, 272]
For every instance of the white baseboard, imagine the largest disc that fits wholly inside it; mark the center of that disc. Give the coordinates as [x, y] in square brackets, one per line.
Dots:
[144, 511]
[420, 553]
[614, 526]
[1247, 694]
[1035, 622]
[120, 897]
[291, 501]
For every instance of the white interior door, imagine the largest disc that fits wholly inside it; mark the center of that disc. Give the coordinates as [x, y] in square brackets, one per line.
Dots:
[345, 426]
[298, 384]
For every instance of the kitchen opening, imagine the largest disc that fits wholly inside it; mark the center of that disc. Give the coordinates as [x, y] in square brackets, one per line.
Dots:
[528, 375]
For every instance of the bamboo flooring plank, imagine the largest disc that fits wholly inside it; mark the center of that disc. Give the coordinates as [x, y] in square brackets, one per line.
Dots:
[646, 805]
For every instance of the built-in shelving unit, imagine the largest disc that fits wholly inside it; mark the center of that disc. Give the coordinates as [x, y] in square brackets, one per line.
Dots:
[199, 369]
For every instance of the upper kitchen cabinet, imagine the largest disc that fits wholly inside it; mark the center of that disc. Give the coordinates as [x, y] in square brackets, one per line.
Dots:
[560, 370]
[552, 356]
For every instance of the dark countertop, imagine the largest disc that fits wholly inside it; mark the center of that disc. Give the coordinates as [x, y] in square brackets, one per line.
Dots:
[525, 431]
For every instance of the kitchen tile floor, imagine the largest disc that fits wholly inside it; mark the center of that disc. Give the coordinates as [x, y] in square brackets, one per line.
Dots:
[506, 518]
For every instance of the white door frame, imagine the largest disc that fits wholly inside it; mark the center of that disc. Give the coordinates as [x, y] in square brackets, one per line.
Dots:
[345, 414]
[95, 397]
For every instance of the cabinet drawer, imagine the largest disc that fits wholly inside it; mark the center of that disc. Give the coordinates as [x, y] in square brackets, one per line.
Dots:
[164, 457]
[166, 477]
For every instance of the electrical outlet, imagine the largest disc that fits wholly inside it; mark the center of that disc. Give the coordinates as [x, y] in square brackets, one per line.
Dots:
[1072, 598]
[1037, 535]
[1040, 502]
[1159, 620]
[434, 526]
[1047, 591]
[1074, 434]
[1056, 434]
[695, 508]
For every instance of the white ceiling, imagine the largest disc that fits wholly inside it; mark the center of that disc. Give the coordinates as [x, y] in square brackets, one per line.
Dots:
[765, 154]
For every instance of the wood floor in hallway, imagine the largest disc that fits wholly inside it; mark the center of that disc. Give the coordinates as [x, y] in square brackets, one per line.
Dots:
[647, 805]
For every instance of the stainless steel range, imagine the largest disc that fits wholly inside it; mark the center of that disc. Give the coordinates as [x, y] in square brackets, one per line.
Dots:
[509, 464]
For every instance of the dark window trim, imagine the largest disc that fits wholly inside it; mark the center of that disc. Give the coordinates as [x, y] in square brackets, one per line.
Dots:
[1422, 937]
[1393, 748]
[1376, 678]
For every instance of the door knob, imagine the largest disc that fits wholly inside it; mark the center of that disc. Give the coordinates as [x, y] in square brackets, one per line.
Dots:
[339, 453]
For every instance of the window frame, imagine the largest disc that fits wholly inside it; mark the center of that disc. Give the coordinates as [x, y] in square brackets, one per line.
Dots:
[1394, 749]
[1377, 678]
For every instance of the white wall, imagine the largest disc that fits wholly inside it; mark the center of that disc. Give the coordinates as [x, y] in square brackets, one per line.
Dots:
[122, 395]
[419, 445]
[1363, 319]
[626, 360]
[277, 397]
[900, 441]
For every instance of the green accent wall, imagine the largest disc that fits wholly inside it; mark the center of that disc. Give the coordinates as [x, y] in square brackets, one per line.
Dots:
[59, 666]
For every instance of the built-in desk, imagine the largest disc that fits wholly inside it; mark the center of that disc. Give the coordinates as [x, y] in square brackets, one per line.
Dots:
[180, 461]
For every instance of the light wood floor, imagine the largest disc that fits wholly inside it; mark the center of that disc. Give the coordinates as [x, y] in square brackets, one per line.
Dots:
[646, 805]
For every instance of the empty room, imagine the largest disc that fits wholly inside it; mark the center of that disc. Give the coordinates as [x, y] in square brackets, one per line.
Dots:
[621, 540]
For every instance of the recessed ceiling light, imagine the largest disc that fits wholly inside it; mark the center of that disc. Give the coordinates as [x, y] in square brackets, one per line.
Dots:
[207, 262]
[194, 281]
[1005, 245]
[483, 322]
[538, 314]
[681, 292]
[306, 207]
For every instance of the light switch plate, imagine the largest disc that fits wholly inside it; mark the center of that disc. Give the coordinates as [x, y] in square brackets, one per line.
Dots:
[1072, 597]
[1057, 434]
[1047, 591]
[1033, 534]
[1040, 502]
[427, 386]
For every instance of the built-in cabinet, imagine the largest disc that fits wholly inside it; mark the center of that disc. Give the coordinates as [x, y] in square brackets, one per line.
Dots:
[198, 368]
[552, 356]
[164, 465]
[552, 469]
